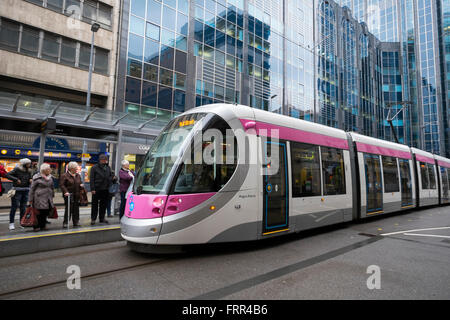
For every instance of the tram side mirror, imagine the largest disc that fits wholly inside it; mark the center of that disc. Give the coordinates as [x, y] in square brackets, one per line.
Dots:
[250, 125]
[139, 190]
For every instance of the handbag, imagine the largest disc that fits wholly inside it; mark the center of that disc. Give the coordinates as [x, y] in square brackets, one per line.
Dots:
[114, 188]
[11, 193]
[53, 213]
[29, 219]
[83, 197]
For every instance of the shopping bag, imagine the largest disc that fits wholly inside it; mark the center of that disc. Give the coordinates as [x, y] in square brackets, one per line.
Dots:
[53, 213]
[29, 219]
[83, 197]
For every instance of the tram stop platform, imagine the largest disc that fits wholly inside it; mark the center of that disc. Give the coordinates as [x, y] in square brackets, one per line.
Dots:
[26, 240]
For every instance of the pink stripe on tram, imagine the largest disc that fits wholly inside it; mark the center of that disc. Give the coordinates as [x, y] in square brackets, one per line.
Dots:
[363, 147]
[285, 133]
[424, 159]
[443, 164]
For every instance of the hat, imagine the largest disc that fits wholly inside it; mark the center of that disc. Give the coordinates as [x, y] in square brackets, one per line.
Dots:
[24, 161]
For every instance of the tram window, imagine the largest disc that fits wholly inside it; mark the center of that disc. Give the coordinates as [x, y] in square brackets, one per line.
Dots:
[432, 176]
[390, 174]
[305, 170]
[209, 176]
[333, 171]
[445, 186]
[424, 176]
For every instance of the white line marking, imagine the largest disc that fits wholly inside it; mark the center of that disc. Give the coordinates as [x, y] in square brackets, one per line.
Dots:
[426, 235]
[415, 230]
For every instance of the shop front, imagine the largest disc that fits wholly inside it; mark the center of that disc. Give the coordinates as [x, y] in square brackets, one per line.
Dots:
[58, 153]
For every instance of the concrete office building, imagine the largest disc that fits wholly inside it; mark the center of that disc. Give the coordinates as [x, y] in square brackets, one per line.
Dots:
[45, 49]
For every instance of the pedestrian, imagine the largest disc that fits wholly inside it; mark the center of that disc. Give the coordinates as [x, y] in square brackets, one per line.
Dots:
[70, 184]
[21, 178]
[41, 195]
[3, 174]
[101, 178]
[126, 178]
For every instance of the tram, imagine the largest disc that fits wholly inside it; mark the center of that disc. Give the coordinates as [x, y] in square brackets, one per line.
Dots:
[229, 173]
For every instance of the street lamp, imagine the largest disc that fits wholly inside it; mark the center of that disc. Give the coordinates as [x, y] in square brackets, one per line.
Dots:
[94, 29]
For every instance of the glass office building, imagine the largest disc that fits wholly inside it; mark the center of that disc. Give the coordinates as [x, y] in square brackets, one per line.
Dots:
[421, 27]
[313, 60]
[178, 54]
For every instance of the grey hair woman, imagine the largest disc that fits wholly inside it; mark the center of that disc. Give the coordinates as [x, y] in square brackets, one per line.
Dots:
[126, 177]
[70, 184]
[41, 194]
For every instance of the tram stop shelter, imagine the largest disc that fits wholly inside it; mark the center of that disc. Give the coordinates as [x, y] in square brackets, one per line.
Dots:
[54, 132]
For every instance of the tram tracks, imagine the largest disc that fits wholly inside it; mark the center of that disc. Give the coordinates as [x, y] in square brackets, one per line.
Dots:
[90, 276]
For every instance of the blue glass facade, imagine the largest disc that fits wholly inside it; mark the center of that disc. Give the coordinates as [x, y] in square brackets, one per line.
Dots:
[339, 63]
[421, 27]
[156, 58]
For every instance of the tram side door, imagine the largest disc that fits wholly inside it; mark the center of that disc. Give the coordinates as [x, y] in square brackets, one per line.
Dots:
[275, 187]
[374, 188]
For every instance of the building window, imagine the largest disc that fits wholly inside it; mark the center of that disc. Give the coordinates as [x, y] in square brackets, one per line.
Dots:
[68, 52]
[85, 55]
[9, 35]
[104, 14]
[101, 61]
[30, 41]
[333, 171]
[305, 161]
[55, 5]
[390, 174]
[50, 47]
[89, 11]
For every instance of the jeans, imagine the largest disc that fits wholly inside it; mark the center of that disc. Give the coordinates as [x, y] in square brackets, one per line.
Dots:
[108, 204]
[19, 200]
[123, 202]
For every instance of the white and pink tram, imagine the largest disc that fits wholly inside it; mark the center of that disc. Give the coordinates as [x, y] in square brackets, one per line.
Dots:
[323, 176]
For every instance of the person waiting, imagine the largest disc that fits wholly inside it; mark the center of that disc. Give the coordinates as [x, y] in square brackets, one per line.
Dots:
[41, 195]
[70, 184]
[21, 178]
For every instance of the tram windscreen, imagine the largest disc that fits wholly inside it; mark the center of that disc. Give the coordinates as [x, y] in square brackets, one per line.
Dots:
[159, 161]
[208, 165]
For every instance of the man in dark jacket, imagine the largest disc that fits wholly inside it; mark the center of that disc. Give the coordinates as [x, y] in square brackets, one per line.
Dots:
[21, 178]
[101, 178]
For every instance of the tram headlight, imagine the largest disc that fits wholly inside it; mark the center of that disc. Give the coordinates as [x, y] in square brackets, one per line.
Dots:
[158, 202]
